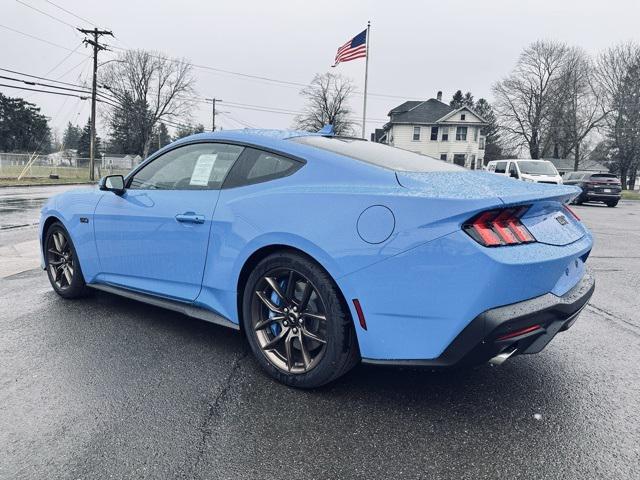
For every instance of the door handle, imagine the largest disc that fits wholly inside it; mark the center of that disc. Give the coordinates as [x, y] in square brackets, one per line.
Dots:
[190, 217]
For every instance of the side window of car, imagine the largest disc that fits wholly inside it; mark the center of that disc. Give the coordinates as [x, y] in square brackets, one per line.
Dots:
[199, 166]
[256, 166]
[513, 170]
[501, 167]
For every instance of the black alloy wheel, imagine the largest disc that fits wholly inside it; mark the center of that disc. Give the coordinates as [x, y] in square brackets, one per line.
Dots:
[63, 268]
[296, 324]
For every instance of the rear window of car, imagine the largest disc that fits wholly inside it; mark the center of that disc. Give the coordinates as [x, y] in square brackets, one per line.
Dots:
[378, 154]
[603, 175]
[534, 167]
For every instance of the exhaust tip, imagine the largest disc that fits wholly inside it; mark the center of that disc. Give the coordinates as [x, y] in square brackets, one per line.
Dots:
[502, 357]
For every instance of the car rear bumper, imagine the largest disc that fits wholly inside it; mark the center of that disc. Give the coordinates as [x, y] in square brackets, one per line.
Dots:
[602, 196]
[496, 330]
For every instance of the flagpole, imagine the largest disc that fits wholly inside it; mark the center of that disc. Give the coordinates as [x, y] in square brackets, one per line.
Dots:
[366, 77]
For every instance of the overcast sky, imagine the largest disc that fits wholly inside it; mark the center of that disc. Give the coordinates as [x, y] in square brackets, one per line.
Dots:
[417, 47]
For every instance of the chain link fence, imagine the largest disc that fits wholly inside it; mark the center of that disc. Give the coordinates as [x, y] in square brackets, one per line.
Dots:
[25, 169]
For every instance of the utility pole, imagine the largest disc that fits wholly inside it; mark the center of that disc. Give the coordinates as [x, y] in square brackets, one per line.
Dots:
[213, 112]
[95, 33]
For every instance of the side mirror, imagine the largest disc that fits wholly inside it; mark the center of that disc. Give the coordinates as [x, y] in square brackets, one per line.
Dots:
[513, 174]
[112, 183]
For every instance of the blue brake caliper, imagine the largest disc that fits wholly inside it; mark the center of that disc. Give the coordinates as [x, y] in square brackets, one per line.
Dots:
[275, 327]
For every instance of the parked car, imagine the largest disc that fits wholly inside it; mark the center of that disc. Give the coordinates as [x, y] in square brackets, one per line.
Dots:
[538, 171]
[596, 187]
[325, 251]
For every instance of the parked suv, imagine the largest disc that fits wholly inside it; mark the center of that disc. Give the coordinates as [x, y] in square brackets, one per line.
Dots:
[596, 187]
[538, 171]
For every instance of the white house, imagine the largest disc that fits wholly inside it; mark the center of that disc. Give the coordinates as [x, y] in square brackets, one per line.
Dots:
[120, 161]
[433, 128]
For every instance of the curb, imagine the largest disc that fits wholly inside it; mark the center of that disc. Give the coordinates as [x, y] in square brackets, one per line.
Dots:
[45, 184]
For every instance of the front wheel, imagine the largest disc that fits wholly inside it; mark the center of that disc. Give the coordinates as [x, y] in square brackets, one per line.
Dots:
[297, 327]
[61, 260]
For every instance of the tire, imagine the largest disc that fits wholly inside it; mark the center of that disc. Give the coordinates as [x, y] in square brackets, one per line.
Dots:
[61, 262]
[612, 204]
[302, 336]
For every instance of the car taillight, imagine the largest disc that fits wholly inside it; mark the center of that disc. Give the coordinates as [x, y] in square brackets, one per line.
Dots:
[495, 228]
[573, 214]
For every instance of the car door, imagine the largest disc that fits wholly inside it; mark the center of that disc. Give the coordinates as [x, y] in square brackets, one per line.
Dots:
[154, 237]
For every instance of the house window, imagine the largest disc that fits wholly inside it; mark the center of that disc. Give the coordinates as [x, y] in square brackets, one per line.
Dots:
[416, 134]
[459, 159]
[434, 133]
[445, 134]
[473, 162]
[461, 134]
[481, 146]
[443, 157]
[463, 116]
[475, 134]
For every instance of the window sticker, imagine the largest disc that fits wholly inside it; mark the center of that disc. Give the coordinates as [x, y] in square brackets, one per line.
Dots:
[202, 170]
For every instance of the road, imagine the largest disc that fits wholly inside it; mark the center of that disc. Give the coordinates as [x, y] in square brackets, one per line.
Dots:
[109, 388]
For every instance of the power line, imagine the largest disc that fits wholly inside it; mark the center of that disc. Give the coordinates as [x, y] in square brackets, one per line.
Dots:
[42, 40]
[260, 77]
[29, 82]
[71, 13]
[44, 91]
[74, 67]
[64, 59]
[54, 80]
[45, 13]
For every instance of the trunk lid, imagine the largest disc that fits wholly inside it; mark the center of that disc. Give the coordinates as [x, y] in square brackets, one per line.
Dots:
[547, 219]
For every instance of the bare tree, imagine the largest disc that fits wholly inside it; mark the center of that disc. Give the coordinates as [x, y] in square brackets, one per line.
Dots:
[618, 71]
[149, 87]
[524, 99]
[578, 107]
[327, 104]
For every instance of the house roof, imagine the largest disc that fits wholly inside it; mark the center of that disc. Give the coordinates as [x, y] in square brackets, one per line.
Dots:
[566, 164]
[428, 111]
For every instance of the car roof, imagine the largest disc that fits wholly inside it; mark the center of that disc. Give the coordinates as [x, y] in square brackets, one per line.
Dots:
[264, 138]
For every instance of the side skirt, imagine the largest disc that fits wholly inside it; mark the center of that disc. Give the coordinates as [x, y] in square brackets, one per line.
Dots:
[180, 307]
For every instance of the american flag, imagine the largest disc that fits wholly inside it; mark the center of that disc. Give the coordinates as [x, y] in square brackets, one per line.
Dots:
[354, 48]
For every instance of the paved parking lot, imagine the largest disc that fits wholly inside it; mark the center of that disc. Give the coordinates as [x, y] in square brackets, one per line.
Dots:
[108, 388]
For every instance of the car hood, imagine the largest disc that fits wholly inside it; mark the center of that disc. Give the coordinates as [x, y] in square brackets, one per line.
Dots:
[472, 185]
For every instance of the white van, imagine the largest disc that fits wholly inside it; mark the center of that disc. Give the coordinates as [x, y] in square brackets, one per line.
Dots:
[538, 171]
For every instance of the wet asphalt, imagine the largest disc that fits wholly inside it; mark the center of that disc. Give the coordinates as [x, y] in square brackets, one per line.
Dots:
[105, 387]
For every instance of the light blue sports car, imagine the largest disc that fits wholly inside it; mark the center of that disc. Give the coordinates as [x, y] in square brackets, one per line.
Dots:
[325, 251]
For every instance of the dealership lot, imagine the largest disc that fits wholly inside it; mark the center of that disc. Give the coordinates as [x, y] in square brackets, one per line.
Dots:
[107, 387]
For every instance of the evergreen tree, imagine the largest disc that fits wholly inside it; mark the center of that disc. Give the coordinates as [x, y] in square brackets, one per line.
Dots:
[493, 148]
[22, 127]
[459, 100]
[185, 131]
[160, 138]
[71, 136]
[126, 126]
[84, 142]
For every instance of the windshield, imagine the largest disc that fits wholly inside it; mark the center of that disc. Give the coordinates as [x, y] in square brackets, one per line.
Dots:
[378, 154]
[537, 168]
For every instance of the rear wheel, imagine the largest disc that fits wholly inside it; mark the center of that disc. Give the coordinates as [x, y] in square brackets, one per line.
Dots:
[295, 322]
[612, 203]
[61, 260]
